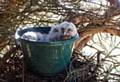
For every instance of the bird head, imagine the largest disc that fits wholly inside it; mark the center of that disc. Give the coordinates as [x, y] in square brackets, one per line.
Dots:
[67, 30]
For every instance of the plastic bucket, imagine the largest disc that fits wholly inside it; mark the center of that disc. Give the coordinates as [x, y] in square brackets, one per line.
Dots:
[46, 58]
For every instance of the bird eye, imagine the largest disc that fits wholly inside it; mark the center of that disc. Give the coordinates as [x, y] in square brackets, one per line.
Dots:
[70, 30]
[55, 30]
[62, 29]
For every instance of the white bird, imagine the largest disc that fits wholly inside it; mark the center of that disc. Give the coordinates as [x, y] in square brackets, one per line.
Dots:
[63, 31]
[33, 36]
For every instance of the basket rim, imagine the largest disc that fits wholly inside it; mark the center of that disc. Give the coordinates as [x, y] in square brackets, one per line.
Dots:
[49, 42]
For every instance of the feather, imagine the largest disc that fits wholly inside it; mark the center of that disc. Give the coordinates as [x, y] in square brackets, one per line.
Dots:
[63, 31]
[33, 36]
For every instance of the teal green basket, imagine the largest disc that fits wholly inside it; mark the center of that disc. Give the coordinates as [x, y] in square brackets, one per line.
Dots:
[46, 58]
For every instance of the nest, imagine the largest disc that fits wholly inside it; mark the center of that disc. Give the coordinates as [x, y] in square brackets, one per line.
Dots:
[90, 21]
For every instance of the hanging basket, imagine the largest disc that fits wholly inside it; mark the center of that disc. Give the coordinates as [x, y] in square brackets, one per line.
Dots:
[46, 58]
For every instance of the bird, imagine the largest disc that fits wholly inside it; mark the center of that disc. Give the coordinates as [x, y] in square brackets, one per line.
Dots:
[33, 36]
[63, 31]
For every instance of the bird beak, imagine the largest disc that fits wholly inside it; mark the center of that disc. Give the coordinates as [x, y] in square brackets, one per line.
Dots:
[65, 37]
